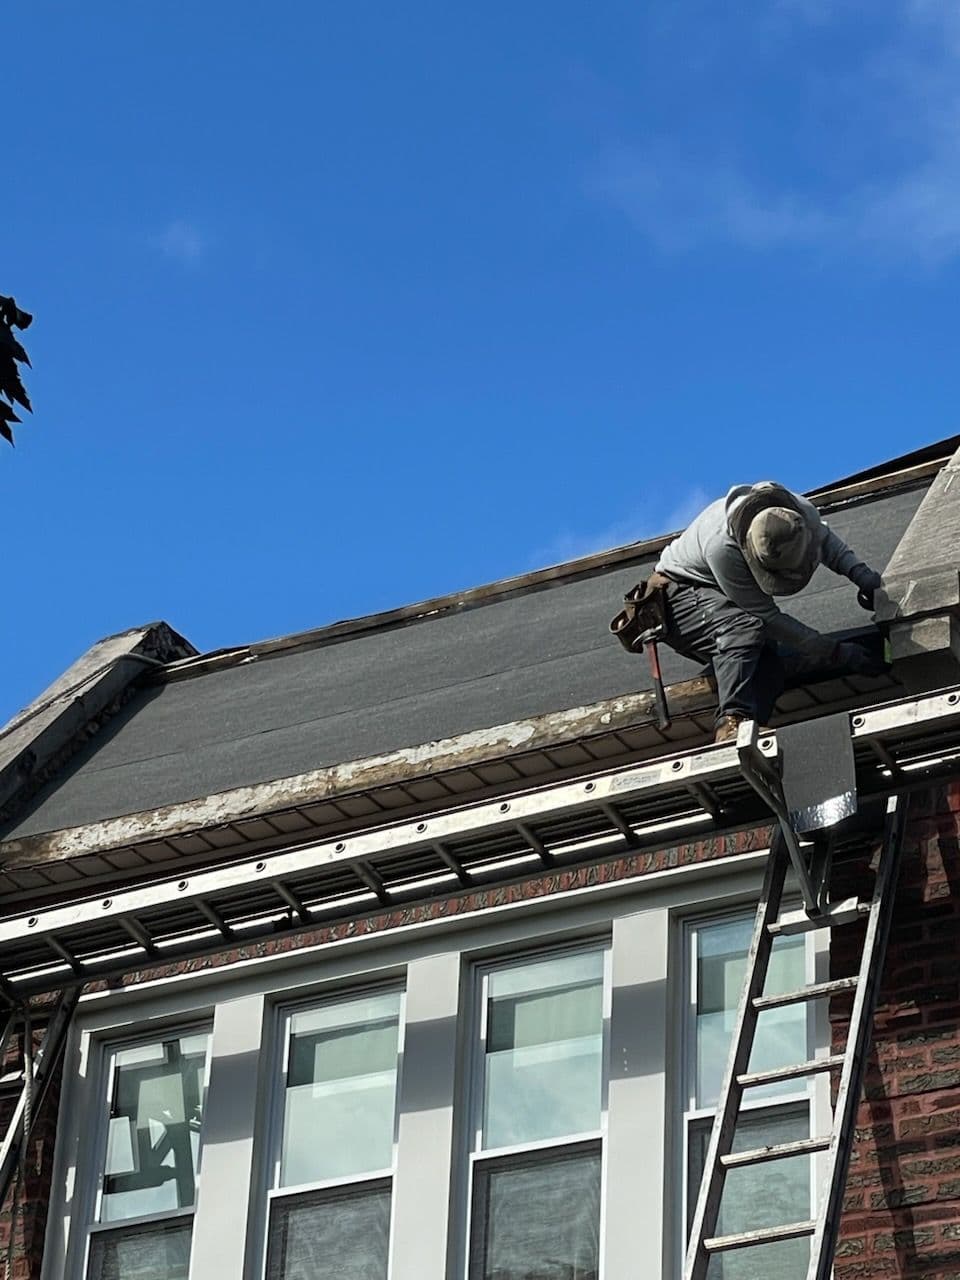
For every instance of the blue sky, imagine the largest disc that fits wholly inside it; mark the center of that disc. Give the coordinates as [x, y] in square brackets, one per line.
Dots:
[344, 306]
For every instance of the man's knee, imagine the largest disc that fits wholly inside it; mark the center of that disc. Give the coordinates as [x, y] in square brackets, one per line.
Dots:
[740, 632]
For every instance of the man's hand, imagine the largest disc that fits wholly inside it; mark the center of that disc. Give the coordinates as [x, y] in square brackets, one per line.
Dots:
[867, 582]
[860, 660]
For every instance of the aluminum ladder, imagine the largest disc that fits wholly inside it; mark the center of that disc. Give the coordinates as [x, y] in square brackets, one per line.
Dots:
[704, 1244]
[39, 1070]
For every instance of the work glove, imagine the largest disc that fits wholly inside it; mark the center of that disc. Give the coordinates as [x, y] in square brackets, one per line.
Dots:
[859, 660]
[867, 581]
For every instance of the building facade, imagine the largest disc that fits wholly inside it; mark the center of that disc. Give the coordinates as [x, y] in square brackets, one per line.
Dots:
[411, 947]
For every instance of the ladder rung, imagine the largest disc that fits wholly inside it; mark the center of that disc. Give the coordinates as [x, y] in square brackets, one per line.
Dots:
[765, 1235]
[815, 991]
[536, 844]
[760, 1155]
[846, 912]
[810, 1068]
[135, 928]
[64, 953]
[373, 881]
[292, 899]
[11, 1083]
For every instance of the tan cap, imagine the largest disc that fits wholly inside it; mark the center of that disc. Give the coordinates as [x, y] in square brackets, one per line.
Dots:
[778, 547]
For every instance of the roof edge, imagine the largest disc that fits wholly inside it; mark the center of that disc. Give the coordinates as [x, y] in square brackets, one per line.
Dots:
[46, 732]
[403, 765]
[828, 498]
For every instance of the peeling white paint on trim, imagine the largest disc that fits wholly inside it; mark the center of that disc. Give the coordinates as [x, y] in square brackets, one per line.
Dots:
[401, 766]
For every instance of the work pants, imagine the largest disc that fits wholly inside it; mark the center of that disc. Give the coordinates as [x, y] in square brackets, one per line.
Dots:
[707, 627]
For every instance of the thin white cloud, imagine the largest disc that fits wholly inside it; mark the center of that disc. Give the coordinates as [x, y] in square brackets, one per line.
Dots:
[911, 90]
[679, 204]
[181, 240]
[571, 544]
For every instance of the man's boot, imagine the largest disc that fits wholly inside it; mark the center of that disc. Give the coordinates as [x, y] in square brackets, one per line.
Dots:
[727, 728]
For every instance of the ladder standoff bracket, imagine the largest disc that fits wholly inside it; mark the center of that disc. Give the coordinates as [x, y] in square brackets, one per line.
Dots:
[763, 776]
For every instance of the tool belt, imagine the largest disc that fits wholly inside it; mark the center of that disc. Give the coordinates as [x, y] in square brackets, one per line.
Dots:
[645, 615]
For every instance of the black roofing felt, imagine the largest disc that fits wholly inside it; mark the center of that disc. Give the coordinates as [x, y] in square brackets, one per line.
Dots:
[516, 657]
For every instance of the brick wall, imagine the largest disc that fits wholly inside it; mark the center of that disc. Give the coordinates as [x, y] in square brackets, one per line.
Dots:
[902, 1207]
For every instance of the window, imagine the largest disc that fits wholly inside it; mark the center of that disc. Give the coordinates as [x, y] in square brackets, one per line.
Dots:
[779, 1191]
[329, 1211]
[143, 1216]
[540, 1115]
[523, 1135]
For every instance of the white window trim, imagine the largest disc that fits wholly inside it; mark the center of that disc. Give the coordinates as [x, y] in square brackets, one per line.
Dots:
[93, 1172]
[479, 1009]
[641, 913]
[270, 1192]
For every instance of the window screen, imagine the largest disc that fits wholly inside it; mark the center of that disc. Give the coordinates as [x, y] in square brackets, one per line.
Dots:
[142, 1253]
[537, 1218]
[331, 1235]
[765, 1195]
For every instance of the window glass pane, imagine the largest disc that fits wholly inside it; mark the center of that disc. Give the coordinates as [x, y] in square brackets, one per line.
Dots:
[537, 1218]
[765, 1195]
[339, 1235]
[338, 1116]
[543, 1070]
[781, 1036]
[153, 1135]
[142, 1253]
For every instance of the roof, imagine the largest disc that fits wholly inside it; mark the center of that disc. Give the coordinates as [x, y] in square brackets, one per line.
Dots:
[517, 649]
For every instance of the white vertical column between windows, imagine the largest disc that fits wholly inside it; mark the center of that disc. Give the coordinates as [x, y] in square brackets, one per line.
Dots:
[819, 1040]
[633, 1207]
[425, 1148]
[226, 1168]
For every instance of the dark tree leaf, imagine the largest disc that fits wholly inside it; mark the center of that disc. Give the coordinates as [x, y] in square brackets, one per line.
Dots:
[9, 346]
[7, 416]
[11, 386]
[11, 314]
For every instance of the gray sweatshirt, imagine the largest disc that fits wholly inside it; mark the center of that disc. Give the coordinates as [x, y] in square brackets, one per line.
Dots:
[708, 554]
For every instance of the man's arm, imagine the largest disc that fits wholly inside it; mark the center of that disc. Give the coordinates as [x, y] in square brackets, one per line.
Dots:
[836, 555]
[738, 584]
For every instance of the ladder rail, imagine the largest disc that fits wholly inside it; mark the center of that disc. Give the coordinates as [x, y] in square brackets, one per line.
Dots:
[34, 1091]
[823, 1228]
[879, 923]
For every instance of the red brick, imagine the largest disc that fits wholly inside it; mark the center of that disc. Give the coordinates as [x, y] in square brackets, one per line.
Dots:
[905, 1167]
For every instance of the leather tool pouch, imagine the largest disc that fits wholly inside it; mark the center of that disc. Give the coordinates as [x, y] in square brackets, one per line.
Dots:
[644, 614]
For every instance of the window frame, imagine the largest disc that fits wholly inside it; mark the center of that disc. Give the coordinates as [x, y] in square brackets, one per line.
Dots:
[271, 1121]
[91, 1197]
[475, 1047]
[811, 1094]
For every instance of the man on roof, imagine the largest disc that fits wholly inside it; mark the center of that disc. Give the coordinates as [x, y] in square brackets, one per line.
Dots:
[721, 577]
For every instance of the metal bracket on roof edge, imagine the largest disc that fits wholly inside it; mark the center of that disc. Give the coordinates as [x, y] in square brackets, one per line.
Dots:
[760, 773]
